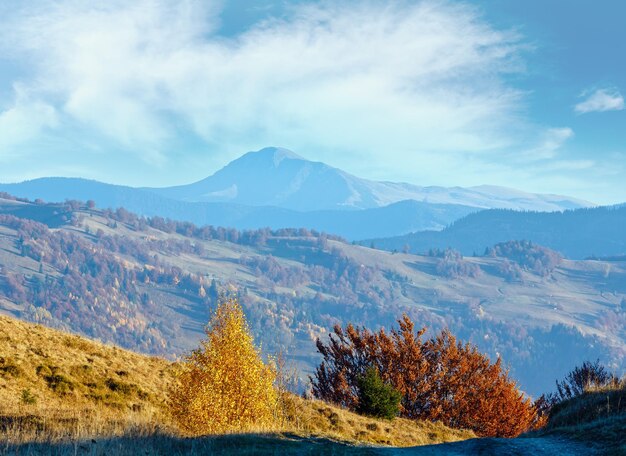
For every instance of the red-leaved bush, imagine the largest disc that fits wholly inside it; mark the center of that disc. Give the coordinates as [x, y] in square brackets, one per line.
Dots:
[440, 379]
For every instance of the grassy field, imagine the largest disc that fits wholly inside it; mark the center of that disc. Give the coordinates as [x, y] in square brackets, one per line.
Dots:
[64, 394]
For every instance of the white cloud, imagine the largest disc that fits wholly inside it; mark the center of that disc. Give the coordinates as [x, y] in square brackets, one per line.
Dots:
[601, 100]
[407, 79]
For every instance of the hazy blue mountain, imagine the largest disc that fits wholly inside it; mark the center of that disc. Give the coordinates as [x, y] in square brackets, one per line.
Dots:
[279, 177]
[578, 233]
[58, 189]
[276, 188]
[402, 217]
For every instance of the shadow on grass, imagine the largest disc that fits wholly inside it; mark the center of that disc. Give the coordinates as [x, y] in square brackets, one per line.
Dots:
[290, 444]
[246, 444]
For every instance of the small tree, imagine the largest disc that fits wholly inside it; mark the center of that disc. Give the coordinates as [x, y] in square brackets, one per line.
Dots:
[224, 385]
[377, 398]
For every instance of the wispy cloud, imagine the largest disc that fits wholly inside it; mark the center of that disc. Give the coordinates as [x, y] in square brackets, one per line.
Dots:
[23, 120]
[600, 100]
[357, 77]
[550, 144]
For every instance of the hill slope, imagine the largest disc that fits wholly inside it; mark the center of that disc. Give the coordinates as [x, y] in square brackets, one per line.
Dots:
[149, 284]
[116, 406]
[578, 233]
[596, 418]
[82, 389]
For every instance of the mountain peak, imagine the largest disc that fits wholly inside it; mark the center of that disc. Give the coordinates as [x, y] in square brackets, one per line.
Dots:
[275, 154]
[275, 176]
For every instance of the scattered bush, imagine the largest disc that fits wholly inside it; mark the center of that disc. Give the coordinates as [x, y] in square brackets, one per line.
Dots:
[376, 398]
[56, 380]
[452, 265]
[28, 397]
[589, 375]
[510, 271]
[9, 367]
[122, 388]
[224, 385]
[59, 383]
[607, 404]
[532, 257]
[43, 370]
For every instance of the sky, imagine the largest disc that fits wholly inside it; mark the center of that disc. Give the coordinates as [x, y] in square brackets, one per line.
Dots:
[527, 94]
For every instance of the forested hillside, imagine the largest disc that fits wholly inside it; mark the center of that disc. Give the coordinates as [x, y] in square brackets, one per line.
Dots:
[578, 234]
[396, 218]
[148, 284]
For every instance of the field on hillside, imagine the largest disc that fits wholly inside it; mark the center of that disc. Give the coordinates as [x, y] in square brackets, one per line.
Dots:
[149, 285]
[64, 390]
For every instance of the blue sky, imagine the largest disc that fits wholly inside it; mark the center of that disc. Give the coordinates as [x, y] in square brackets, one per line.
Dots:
[522, 94]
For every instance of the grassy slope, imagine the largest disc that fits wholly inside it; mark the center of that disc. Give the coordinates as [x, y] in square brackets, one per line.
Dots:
[108, 393]
[597, 418]
[79, 386]
[94, 418]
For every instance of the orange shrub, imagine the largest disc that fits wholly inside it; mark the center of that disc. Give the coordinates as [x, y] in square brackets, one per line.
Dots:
[224, 386]
[440, 379]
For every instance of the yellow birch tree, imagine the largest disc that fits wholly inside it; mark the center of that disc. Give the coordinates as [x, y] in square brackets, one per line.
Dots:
[224, 386]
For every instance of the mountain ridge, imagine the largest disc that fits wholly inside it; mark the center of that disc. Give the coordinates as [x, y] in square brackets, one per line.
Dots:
[292, 173]
[277, 188]
[578, 234]
[403, 216]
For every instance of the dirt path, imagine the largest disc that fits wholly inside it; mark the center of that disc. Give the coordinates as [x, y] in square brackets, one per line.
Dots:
[520, 446]
[292, 445]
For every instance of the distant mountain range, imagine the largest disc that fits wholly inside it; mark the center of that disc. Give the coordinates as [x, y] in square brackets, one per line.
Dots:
[578, 234]
[277, 188]
[402, 217]
[281, 178]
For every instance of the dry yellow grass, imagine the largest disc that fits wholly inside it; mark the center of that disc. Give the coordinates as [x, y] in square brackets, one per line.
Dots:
[57, 387]
[54, 384]
[317, 418]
